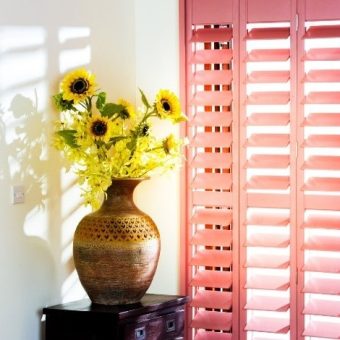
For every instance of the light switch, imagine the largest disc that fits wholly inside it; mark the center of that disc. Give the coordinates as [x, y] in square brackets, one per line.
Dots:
[18, 194]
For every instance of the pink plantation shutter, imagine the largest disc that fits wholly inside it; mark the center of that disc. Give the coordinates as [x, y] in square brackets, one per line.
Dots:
[262, 229]
[210, 96]
[318, 177]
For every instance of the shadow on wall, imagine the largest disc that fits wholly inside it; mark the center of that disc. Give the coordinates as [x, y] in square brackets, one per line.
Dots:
[36, 236]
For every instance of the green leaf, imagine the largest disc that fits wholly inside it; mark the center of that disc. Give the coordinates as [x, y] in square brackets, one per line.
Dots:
[101, 100]
[144, 99]
[69, 137]
[110, 109]
[62, 104]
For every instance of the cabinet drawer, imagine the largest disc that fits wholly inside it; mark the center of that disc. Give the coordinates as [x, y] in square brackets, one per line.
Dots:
[166, 327]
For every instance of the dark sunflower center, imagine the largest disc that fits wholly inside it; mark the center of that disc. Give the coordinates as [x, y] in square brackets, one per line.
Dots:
[166, 106]
[99, 128]
[79, 86]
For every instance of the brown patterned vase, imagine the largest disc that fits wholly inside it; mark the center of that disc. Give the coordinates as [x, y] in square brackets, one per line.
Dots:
[116, 248]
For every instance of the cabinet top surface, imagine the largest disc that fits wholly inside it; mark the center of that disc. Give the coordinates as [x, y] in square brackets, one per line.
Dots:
[148, 304]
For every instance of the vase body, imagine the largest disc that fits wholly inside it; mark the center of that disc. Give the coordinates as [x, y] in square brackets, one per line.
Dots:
[116, 248]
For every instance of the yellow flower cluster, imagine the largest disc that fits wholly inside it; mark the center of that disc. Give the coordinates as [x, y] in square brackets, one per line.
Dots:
[105, 140]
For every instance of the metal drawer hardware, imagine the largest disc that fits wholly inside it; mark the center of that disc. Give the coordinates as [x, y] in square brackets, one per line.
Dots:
[140, 333]
[170, 325]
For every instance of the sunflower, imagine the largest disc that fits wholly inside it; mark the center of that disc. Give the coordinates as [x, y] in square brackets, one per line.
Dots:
[167, 105]
[170, 145]
[100, 128]
[77, 85]
[128, 111]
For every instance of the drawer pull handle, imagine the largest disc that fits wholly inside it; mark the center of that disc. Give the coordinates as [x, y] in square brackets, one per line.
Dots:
[140, 333]
[170, 325]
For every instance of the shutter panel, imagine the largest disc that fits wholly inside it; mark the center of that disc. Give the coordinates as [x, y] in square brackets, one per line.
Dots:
[266, 111]
[318, 186]
[210, 74]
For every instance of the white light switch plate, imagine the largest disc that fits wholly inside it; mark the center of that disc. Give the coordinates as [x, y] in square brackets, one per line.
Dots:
[18, 194]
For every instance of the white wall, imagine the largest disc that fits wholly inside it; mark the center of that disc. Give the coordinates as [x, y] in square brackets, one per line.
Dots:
[126, 43]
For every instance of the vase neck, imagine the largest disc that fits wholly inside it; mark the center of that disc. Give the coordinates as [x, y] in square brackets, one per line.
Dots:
[119, 195]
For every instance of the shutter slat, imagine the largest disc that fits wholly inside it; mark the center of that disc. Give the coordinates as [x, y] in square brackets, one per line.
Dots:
[269, 201]
[213, 279]
[267, 239]
[322, 54]
[322, 221]
[213, 258]
[323, 286]
[323, 162]
[212, 98]
[328, 76]
[212, 237]
[269, 218]
[212, 119]
[212, 198]
[212, 77]
[321, 242]
[268, 77]
[323, 98]
[212, 181]
[223, 56]
[262, 260]
[211, 139]
[212, 299]
[268, 33]
[322, 184]
[268, 98]
[212, 34]
[268, 182]
[269, 303]
[212, 160]
[268, 140]
[269, 325]
[267, 281]
[204, 335]
[323, 329]
[318, 306]
[212, 320]
[327, 31]
[221, 217]
[323, 141]
[322, 119]
[326, 203]
[264, 55]
[268, 161]
[322, 264]
[268, 119]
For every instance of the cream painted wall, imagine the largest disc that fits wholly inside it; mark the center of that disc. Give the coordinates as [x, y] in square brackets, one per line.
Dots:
[126, 43]
[157, 66]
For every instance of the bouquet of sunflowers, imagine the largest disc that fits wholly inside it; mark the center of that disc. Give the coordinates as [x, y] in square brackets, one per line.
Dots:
[105, 140]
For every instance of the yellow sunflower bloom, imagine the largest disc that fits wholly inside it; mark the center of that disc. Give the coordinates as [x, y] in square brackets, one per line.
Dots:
[100, 128]
[77, 85]
[128, 111]
[171, 145]
[167, 105]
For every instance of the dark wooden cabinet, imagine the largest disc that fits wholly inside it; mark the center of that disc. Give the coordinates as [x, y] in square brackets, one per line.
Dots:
[154, 317]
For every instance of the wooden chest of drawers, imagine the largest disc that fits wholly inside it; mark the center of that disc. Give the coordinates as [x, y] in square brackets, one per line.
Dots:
[155, 317]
